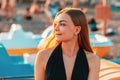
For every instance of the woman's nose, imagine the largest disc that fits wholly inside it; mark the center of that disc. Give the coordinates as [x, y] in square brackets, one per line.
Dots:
[57, 27]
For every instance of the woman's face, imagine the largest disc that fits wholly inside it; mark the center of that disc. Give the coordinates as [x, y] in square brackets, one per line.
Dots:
[64, 28]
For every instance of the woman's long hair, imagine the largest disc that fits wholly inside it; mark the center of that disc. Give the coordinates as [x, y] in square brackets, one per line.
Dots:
[79, 19]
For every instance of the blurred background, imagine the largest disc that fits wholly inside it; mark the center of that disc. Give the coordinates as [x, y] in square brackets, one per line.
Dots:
[39, 20]
[35, 16]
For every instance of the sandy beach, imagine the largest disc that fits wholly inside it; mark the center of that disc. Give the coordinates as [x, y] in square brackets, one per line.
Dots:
[37, 25]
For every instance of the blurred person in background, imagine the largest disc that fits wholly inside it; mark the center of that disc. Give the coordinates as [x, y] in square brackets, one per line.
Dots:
[1, 12]
[27, 15]
[94, 25]
[75, 3]
[34, 9]
[8, 8]
[62, 4]
[50, 10]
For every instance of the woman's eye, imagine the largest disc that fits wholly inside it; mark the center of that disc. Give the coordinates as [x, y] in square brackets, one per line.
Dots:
[62, 24]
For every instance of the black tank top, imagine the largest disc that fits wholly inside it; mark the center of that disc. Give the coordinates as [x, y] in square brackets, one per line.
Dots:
[55, 69]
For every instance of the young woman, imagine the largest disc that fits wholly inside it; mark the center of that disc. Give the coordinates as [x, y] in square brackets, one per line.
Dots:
[67, 53]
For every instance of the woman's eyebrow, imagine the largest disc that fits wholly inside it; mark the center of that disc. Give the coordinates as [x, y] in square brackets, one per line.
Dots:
[59, 21]
[62, 21]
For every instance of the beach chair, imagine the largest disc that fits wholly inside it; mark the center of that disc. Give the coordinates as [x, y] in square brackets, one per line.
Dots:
[11, 68]
[116, 60]
[109, 70]
[4, 56]
[18, 42]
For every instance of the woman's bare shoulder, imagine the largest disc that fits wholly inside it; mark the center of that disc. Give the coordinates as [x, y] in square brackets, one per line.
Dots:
[43, 56]
[45, 53]
[93, 59]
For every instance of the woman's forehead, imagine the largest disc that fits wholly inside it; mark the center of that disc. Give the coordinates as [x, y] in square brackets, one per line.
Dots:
[63, 17]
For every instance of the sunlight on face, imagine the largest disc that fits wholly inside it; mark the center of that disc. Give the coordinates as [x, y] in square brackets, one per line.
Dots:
[64, 27]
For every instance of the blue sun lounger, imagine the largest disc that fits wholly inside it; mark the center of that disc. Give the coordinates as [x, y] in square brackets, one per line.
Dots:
[12, 66]
[4, 56]
[116, 60]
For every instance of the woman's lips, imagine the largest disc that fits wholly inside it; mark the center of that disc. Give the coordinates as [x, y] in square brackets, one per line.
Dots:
[58, 34]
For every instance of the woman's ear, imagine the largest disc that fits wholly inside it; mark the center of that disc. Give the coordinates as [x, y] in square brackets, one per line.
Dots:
[78, 29]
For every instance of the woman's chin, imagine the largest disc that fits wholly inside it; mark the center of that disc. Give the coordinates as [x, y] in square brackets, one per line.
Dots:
[59, 40]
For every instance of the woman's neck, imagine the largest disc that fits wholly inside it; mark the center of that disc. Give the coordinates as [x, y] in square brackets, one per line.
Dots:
[70, 49]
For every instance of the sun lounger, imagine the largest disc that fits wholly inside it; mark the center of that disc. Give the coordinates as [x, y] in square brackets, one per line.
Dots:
[4, 56]
[10, 67]
[109, 70]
